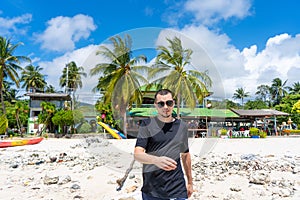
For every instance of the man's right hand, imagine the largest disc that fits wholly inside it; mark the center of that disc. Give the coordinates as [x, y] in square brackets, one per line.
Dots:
[165, 163]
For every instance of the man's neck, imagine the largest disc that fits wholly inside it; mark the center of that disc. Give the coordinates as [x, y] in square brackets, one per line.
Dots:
[165, 119]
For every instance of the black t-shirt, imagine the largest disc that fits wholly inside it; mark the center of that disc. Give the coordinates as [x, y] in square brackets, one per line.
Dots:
[163, 139]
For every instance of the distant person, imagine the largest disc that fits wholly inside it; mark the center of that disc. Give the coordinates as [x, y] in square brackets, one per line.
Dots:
[161, 144]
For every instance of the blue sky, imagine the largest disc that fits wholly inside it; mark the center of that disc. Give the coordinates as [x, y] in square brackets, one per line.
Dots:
[249, 42]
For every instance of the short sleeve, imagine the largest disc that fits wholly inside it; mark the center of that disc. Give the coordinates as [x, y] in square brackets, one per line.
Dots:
[143, 135]
[185, 143]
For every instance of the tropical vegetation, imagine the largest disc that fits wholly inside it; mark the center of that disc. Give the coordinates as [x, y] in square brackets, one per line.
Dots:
[171, 71]
[9, 65]
[71, 79]
[240, 93]
[32, 78]
[119, 82]
[121, 77]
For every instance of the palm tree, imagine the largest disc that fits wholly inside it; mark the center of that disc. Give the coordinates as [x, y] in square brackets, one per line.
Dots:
[9, 93]
[241, 94]
[120, 78]
[19, 108]
[295, 89]
[9, 64]
[50, 89]
[48, 110]
[189, 86]
[278, 90]
[32, 78]
[263, 91]
[71, 79]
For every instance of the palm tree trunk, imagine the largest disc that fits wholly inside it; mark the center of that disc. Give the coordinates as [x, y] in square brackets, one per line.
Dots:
[73, 101]
[125, 124]
[2, 99]
[178, 105]
[18, 121]
[243, 103]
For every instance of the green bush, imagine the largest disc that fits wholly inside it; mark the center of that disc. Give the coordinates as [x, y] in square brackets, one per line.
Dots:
[100, 129]
[254, 131]
[223, 131]
[294, 131]
[262, 134]
[85, 128]
[3, 124]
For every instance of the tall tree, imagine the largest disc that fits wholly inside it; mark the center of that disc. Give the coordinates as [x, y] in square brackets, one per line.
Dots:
[20, 107]
[278, 90]
[32, 78]
[295, 89]
[48, 111]
[189, 86]
[240, 93]
[9, 65]
[50, 89]
[120, 77]
[71, 78]
[263, 92]
[286, 105]
[256, 104]
[9, 93]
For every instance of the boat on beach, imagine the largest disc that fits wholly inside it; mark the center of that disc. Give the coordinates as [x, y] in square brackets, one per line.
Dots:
[20, 142]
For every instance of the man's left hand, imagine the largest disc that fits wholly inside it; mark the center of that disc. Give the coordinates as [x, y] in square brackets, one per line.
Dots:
[190, 189]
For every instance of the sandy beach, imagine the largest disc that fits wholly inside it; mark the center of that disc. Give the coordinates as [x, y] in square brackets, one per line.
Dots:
[88, 168]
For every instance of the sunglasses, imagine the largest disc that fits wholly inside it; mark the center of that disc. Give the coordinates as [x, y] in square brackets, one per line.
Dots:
[169, 103]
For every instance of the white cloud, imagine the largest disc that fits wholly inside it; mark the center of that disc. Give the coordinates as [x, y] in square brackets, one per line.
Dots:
[278, 59]
[82, 57]
[278, 39]
[9, 26]
[211, 11]
[222, 60]
[231, 68]
[63, 32]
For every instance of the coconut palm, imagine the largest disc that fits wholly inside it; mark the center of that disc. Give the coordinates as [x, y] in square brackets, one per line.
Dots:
[263, 91]
[295, 89]
[48, 110]
[240, 93]
[32, 78]
[9, 65]
[278, 90]
[9, 93]
[169, 70]
[120, 77]
[19, 108]
[50, 89]
[71, 79]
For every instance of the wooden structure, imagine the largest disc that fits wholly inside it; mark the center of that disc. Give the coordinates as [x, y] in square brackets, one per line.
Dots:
[262, 114]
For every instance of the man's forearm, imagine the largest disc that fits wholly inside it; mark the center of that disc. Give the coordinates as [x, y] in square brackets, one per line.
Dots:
[187, 165]
[161, 162]
[145, 158]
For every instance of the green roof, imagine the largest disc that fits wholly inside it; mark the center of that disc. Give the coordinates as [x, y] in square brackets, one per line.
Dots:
[186, 112]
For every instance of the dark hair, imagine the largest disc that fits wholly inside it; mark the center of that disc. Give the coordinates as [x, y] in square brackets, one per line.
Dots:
[162, 92]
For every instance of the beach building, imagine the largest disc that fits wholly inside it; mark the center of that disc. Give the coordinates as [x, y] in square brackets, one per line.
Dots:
[35, 100]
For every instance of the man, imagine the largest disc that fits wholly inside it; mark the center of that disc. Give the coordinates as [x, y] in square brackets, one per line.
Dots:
[161, 142]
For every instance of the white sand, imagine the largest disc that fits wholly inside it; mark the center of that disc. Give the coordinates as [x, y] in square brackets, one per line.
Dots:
[26, 182]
